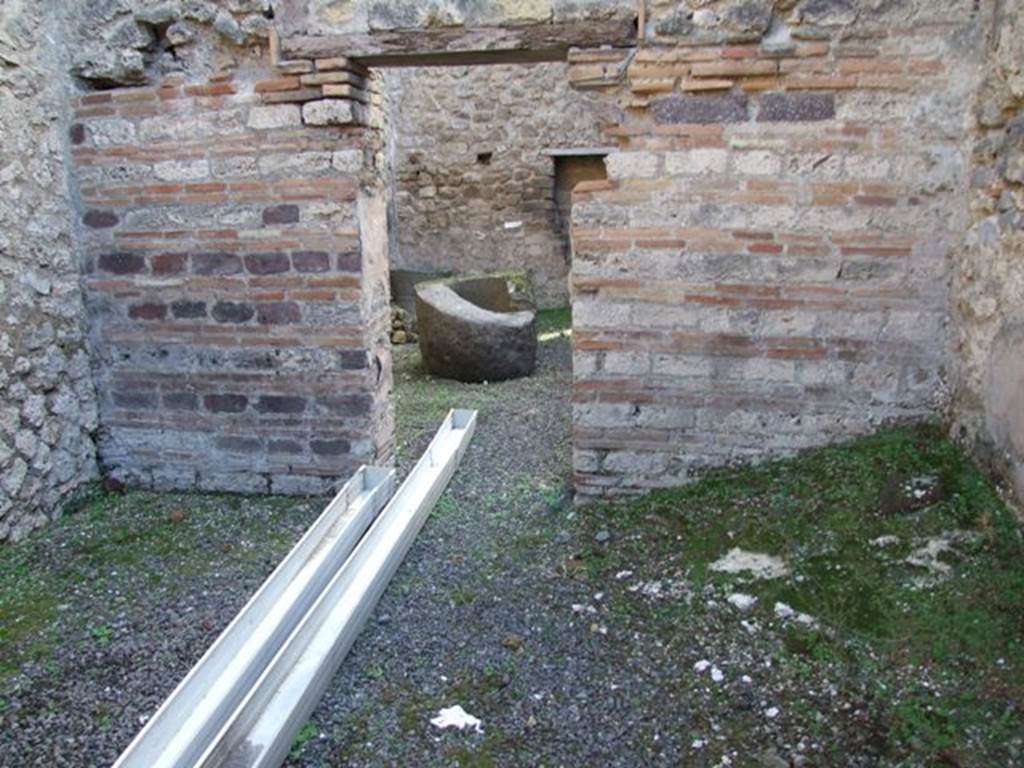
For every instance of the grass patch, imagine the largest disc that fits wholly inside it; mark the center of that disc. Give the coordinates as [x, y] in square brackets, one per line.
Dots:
[306, 733]
[422, 401]
[882, 619]
[554, 323]
[123, 546]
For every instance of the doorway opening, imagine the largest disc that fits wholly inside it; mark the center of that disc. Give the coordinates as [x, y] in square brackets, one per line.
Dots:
[483, 159]
[571, 167]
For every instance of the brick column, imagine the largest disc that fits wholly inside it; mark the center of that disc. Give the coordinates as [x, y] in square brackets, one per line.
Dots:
[235, 258]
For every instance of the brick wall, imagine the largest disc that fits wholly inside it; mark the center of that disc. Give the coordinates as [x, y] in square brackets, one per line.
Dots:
[475, 192]
[767, 267]
[235, 254]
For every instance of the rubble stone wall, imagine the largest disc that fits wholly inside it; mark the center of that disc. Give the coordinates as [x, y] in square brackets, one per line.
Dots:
[47, 403]
[356, 17]
[989, 286]
[475, 192]
[113, 43]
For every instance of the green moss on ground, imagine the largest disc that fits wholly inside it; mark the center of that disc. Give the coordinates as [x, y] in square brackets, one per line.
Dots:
[306, 733]
[883, 622]
[422, 401]
[932, 664]
[121, 544]
[928, 666]
[554, 323]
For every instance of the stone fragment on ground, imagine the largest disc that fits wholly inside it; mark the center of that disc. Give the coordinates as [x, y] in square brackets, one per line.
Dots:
[928, 556]
[756, 564]
[742, 602]
[885, 541]
[472, 330]
[936, 552]
[513, 642]
[663, 588]
[788, 613]
[458, 718]
[715, 673]
[402, 326]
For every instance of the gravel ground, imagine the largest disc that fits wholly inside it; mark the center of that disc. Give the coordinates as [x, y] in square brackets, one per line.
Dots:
[480, 612]
[595, 636]
[105, 611]
[600, 636]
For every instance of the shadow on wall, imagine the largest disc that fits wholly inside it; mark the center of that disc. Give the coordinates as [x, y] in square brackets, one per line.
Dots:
[1004, 396]
[570, 170]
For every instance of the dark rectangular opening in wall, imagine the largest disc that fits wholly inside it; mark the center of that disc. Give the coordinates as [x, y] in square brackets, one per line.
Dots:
[570, 169]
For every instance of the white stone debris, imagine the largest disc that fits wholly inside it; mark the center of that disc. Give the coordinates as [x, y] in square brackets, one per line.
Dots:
[787, 613]
[771, 713]
[919, 487]
[671, 588]
[651, 589]
[456, 717]
[783, 611]
[741, 602]
[757, 564]
[704, 665]
[927, 556]
[885, 541]
[623, 575]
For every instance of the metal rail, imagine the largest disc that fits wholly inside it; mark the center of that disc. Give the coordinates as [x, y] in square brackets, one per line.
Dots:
[264, 726]
[246, 699]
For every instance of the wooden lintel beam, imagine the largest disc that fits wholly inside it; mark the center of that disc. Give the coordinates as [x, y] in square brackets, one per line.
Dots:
[461, 45]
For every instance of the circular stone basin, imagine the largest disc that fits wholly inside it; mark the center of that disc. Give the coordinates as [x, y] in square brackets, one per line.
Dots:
[473, 330]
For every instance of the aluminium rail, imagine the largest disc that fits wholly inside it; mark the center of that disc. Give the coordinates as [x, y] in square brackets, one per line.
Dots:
[264, 726]
[177, 734]
[245, 700]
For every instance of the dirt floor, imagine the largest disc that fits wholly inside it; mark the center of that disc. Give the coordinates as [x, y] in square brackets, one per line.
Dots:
[861, 605]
